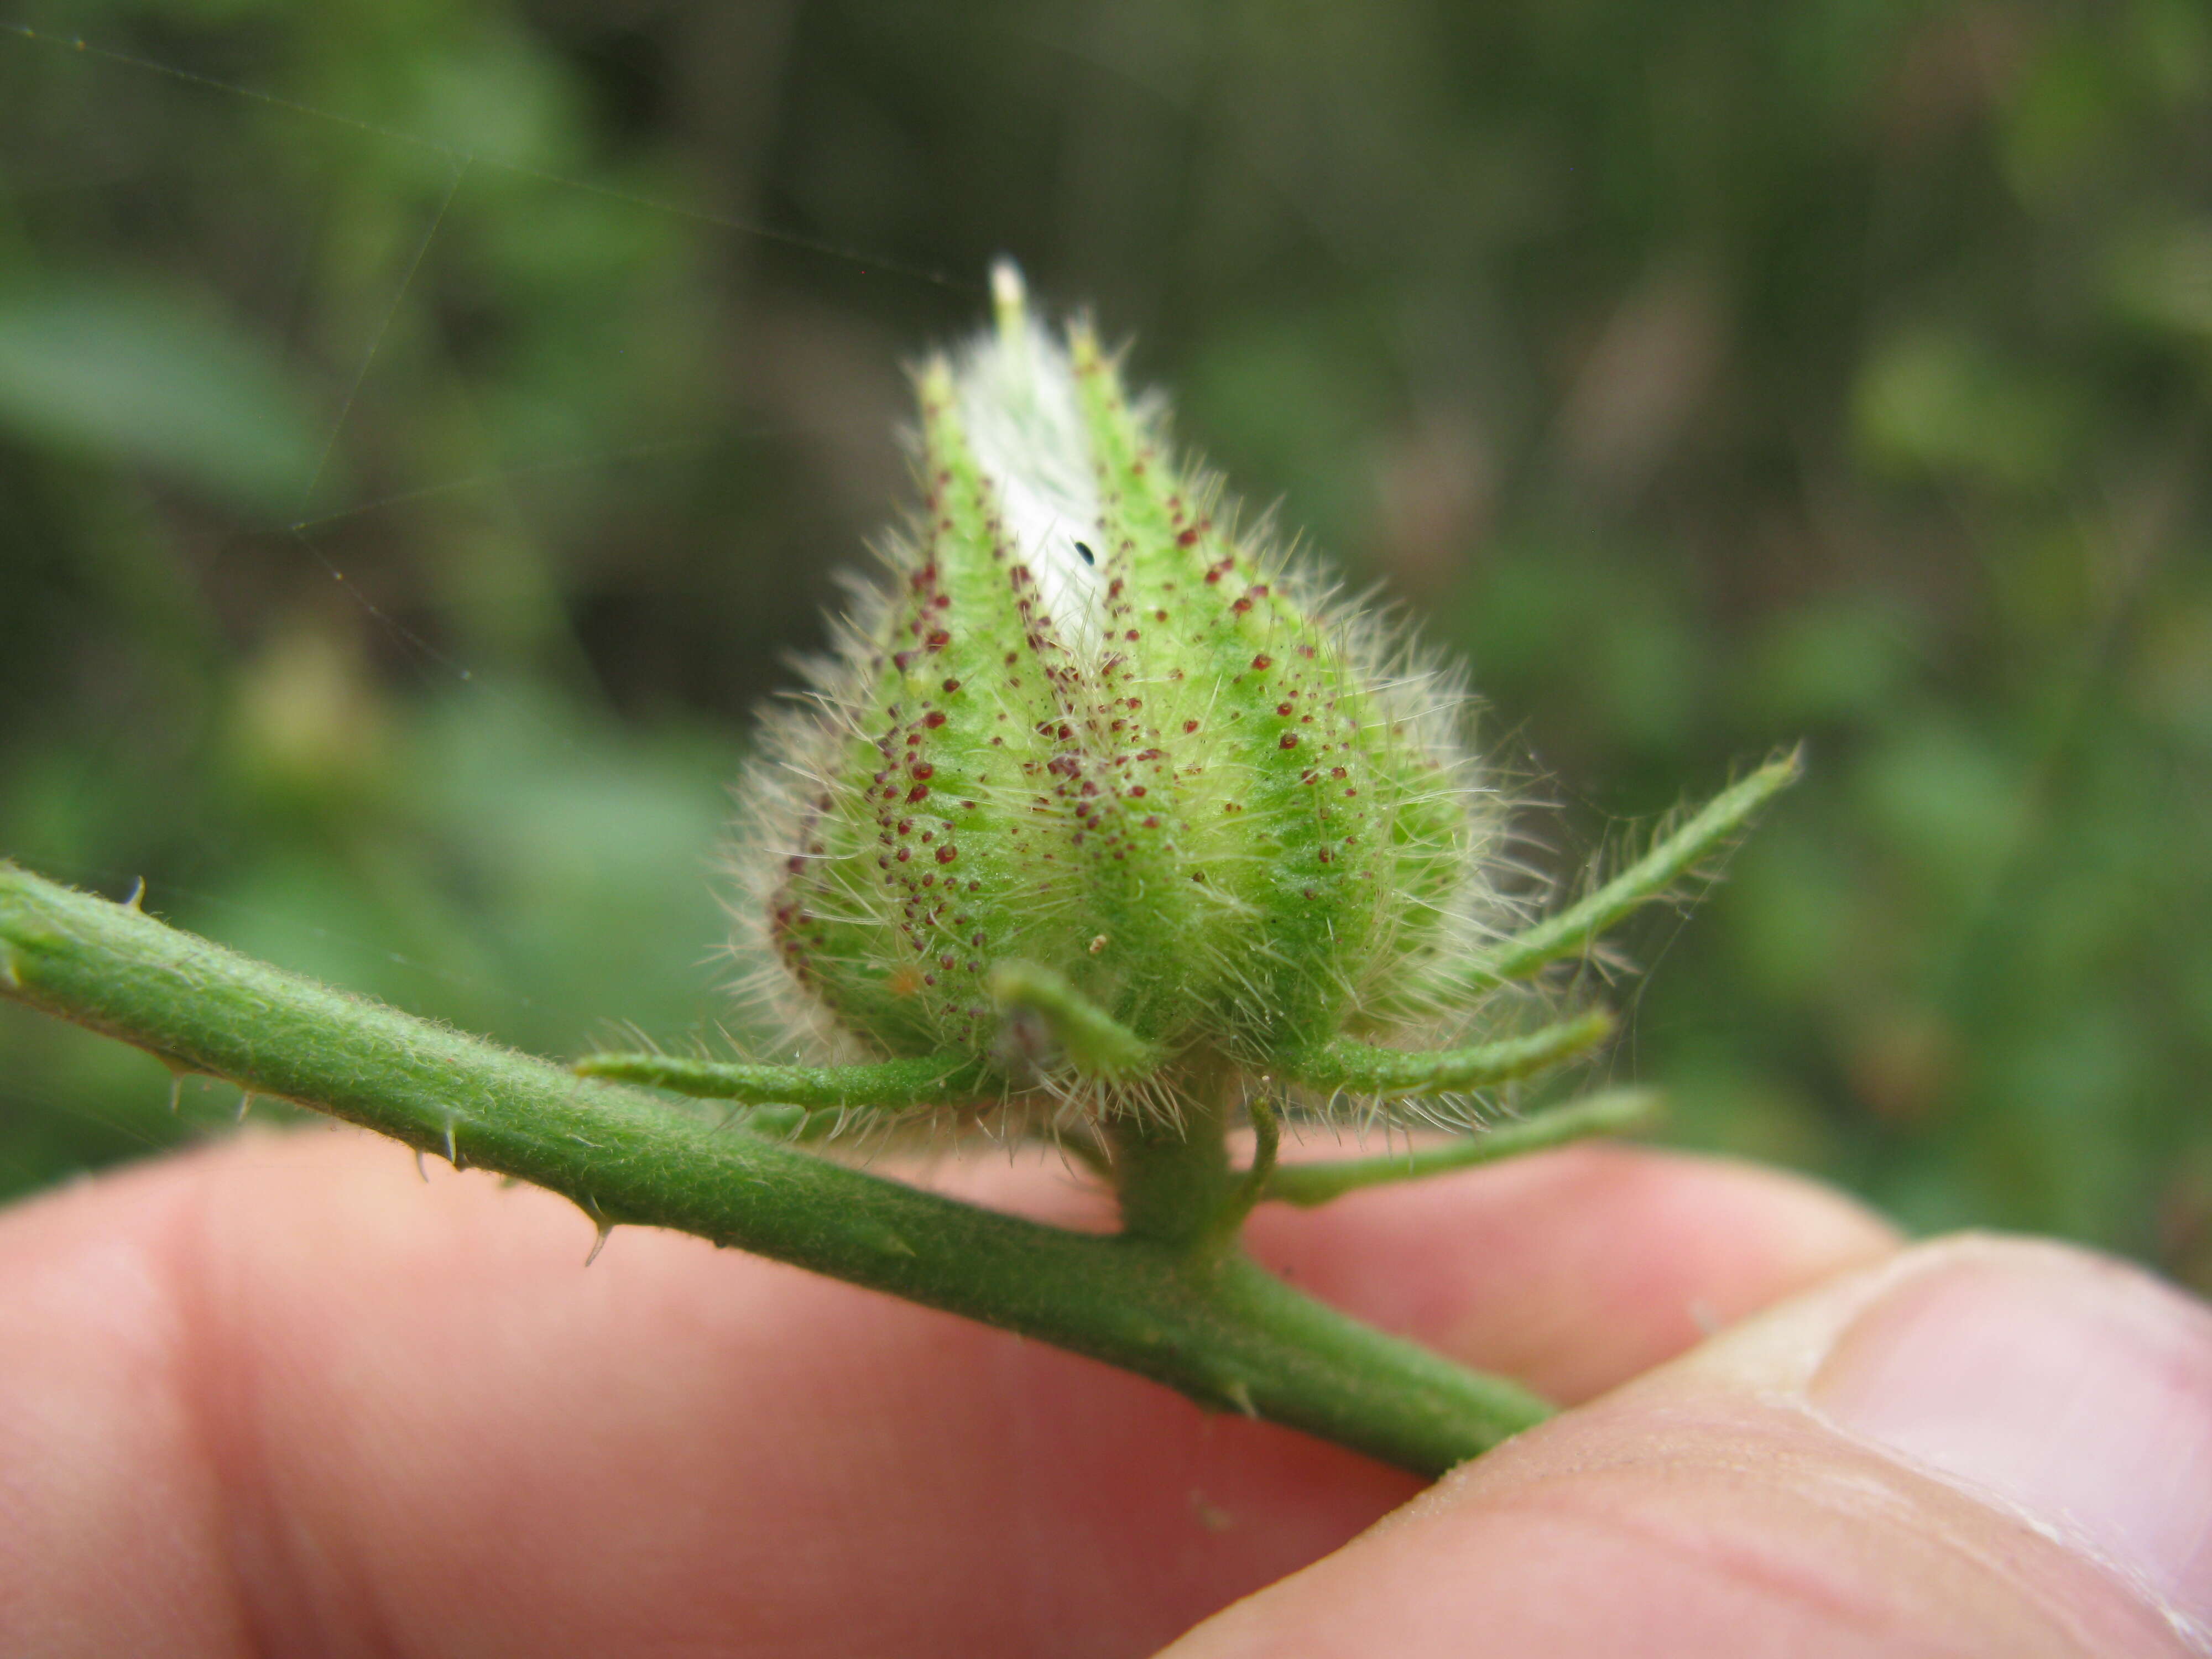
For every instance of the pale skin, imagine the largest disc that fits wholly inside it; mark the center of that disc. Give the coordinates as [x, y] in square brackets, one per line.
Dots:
[287, 1396]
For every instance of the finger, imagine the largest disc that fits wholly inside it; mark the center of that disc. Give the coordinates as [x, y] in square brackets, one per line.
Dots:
[289, 1391]
[1985, 1447]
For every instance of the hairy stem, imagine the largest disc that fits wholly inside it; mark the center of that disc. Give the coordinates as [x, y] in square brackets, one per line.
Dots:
[1174, 1180]
[1212, 1324]
[1266, 1147]
[1098, 1043]
[889, 1086]
[1574, 929]
[1610, 1113]
[1362, 1068]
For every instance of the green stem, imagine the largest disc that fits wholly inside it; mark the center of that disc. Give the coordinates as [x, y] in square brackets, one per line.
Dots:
[1216, 1327]
[1096, 1042]
[1574, 929]
[1308, 1184]
[1174, 1180]
[889, 1086]
[1365, 1069]
[1259, 1177]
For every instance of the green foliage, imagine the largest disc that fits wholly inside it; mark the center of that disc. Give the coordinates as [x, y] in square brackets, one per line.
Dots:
[1709, 378]
[138, 378]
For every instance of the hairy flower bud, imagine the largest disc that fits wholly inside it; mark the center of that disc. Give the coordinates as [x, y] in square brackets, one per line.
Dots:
[1093, 727]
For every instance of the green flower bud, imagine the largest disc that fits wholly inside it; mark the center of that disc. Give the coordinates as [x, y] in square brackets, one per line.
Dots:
[1092, 726]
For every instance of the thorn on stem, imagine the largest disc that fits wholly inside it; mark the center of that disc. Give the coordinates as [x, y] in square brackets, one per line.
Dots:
[892, 1242]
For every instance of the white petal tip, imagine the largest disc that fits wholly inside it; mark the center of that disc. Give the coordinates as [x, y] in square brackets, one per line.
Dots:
[1009, 295]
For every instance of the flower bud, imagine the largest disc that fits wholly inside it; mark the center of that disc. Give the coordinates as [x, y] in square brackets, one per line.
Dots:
[1091, 724]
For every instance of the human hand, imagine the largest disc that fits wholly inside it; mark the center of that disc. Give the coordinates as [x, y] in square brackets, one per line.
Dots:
[283, 1397]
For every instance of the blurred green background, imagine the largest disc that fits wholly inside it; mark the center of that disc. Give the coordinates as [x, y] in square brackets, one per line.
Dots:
[426, 430]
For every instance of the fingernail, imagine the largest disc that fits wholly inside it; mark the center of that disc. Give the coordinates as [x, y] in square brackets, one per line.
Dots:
[2076, 1390]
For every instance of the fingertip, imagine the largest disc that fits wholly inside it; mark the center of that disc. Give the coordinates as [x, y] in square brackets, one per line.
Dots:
[1982, 1445]
[2071, 1388]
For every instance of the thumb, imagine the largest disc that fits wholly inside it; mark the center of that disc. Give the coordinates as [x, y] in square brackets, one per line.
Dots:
[1983, 1446]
